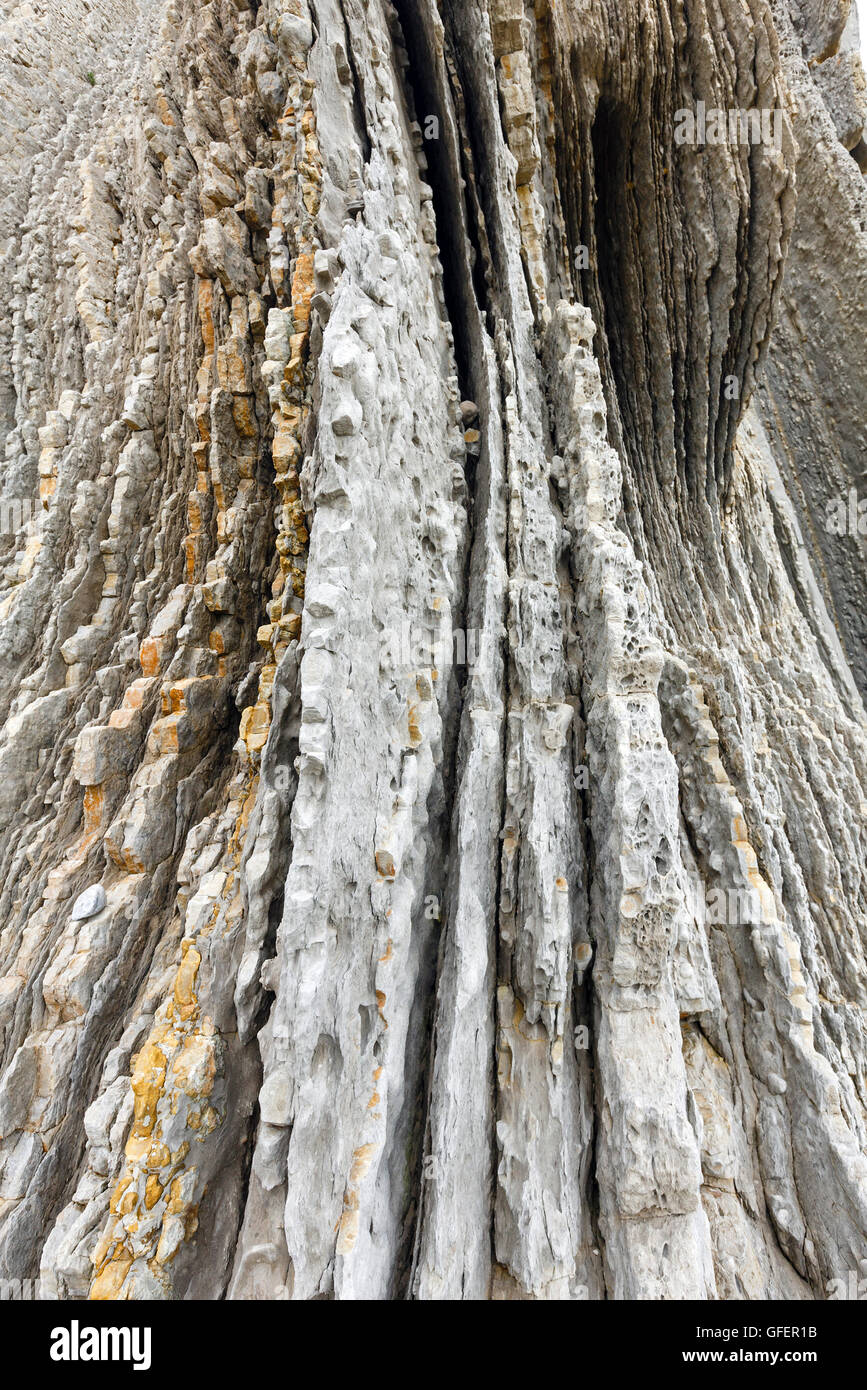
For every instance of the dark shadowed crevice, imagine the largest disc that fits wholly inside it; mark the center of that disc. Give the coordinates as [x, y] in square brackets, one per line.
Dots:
[429, 101]
[444, 176]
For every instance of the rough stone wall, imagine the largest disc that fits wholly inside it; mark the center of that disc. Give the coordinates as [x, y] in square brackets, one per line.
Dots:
[433, 763]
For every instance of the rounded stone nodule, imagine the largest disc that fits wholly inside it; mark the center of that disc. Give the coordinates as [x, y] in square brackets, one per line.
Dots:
[88, 903]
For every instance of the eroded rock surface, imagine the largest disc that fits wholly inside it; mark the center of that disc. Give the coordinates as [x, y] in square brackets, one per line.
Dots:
[433, 759]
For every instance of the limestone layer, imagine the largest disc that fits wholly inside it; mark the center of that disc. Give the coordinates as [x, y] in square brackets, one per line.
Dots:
[433, 754]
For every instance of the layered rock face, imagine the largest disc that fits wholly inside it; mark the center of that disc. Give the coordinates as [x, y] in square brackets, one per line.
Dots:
[432, 649]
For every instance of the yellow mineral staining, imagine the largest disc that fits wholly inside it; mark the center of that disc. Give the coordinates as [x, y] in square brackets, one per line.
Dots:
[385, 864]
[233, 367]
[150, 656]
[94, 805]
[206, 319]
[302, 285]
[147, 1084]
[286, 451]
[361, 1161]
[118, 1195]
[375, 1097]
[154, 1208]
[153, 1191]
[123, 858]
[185, 999]
[132, 701]
[380, 1005]
[178, 1064]
[110, 1280]
[255, 722]
[245, 423]
[94, 794]
[347, 1226]
[415, 734]
[47, 488]
[301, 176]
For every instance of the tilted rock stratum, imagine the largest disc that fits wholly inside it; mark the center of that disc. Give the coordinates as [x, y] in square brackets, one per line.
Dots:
[433, 756]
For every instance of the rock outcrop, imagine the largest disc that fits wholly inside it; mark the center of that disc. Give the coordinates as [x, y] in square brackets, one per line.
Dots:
[433, 754]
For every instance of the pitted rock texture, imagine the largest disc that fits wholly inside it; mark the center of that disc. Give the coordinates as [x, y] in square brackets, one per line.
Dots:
[433, 759]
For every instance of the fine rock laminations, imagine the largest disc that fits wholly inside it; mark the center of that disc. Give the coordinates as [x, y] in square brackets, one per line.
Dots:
[433, 649]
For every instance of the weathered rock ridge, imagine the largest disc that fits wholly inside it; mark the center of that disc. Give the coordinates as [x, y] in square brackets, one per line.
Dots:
[433, 754]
